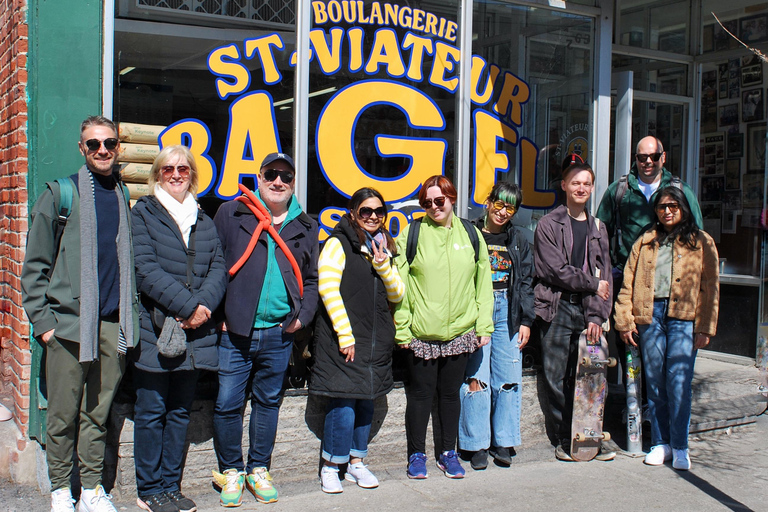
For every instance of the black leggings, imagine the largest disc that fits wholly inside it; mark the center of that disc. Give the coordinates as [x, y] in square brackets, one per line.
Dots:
[445, 375]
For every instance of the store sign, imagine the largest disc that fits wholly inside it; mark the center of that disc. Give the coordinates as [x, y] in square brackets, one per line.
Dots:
[427, 52]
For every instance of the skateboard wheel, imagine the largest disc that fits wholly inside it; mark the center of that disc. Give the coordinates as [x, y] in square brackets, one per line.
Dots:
[580, 437]
[611, 362]
[585, 361]
[606, 436]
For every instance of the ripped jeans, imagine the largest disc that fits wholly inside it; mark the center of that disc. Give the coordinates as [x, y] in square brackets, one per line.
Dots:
[491, 416]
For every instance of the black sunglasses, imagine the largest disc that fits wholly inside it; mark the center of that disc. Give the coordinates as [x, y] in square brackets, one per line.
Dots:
[272, 174]
[641, 157]
[366, 212]
[427, 203]
[95, 144]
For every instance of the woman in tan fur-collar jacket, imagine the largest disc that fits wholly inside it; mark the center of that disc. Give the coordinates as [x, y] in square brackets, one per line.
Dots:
[669, 299]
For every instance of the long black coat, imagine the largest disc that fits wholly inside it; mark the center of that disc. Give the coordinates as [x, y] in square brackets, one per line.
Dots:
[365, 300]
[161, 274]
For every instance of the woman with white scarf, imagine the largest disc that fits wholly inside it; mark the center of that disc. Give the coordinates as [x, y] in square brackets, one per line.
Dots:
[181, 277]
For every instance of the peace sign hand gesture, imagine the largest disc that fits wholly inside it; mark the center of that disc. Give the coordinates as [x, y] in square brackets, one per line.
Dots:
[379, 252]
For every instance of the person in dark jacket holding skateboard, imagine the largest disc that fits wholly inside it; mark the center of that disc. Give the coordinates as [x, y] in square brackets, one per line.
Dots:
[573, 293]
[491, 392]
[354, 334]
[173, 241]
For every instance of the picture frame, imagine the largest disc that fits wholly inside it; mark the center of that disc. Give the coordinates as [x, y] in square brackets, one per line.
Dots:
[722, 89]
[728, 115]
[723, 41]
[753, 29]
[752, 75]
[733, 174]
[735, 145]
[729, 222]
[752, 108]
[712, 188]
[708, 39]
[756, 147]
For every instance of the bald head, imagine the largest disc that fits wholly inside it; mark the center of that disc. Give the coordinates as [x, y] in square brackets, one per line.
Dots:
[650, 158]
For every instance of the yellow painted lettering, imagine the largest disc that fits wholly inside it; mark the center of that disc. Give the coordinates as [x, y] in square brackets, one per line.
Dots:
[450, 31]
[335, 138]
[328, 219]
[446, 58]
[514, 93]
[350, 10]
[418, 19]
[376, 17]
[385, 51]
[355, 36]
[419, 46]
[390, 14]
[224, 63]
[251, 119]
[328, 52]
[430, 26]
[263, 46]
[334, 11]
[488, 159]
[478, 67]
[321, 16]
[361, 12]
[532, 197]
[404, 17]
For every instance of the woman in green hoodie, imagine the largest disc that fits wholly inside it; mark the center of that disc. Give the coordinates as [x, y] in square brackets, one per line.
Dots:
[446, 315]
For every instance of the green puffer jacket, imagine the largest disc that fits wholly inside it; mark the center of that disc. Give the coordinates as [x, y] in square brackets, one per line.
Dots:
[636, 215]
[447, 292]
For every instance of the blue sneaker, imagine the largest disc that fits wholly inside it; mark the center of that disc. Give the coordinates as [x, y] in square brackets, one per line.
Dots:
[450, 465]
[417, 466]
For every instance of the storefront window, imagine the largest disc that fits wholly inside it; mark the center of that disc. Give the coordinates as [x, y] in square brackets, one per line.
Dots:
[655, 25]
[551, 54]
[652, 75]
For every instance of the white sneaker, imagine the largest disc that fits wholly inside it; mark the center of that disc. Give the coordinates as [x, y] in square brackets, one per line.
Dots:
[681, 460]
[658, 455]
[361, 475]
[95, 500]
[329, 478]
[61, 500]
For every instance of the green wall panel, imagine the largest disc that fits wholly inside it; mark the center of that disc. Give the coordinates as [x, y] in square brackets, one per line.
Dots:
[65, 63]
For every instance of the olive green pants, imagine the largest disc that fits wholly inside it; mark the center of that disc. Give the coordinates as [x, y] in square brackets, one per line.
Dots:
[79, 398]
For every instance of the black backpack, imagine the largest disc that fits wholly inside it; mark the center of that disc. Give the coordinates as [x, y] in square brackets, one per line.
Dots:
[413, 238]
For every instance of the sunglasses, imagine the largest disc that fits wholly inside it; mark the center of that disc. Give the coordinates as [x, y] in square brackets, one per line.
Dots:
[272, 174]
[95, 144]
[366, 212]
[662, 207]
[641, 157]
[427, 203]
[168, 170]
[501, 205]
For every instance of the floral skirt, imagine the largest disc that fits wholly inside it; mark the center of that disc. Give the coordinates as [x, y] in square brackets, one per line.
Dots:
[431, 349]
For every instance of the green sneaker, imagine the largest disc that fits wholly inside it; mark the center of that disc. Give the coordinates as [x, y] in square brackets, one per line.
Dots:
[259, 482]
[231, 483]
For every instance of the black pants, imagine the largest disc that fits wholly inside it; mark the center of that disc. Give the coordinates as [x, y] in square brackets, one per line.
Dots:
[559, 350]
[445, 376]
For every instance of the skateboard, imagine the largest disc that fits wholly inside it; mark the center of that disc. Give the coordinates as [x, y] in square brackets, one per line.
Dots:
[589, 398]
[634, 381]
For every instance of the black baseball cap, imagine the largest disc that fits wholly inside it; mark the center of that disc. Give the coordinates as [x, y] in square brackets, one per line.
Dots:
[272, 157]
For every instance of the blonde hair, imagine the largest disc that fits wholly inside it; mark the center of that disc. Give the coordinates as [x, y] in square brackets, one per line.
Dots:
[161, 159]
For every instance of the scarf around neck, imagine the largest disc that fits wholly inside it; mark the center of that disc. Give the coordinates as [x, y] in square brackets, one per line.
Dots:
[89, 280]
[183, 214]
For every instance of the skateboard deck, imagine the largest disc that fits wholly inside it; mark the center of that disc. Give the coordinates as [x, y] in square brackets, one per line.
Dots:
[634, 382]
[589, 398]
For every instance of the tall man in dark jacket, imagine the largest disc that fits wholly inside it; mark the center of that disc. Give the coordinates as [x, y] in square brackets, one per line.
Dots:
[80, 296]
[263, 308]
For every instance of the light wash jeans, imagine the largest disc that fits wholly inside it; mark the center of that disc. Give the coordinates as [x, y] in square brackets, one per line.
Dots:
[492, 414]
[668, 359]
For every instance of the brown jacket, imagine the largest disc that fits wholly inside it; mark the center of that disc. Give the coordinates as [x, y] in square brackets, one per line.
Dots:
[693, 293]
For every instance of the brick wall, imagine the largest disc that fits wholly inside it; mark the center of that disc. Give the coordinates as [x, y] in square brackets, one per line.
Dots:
[14, 329]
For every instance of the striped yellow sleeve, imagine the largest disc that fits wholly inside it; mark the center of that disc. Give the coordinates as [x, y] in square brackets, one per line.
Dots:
[330, 268]
[394, 284]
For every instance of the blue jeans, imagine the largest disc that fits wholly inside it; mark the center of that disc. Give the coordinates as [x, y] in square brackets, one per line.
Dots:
[161, 417]
[668, 359]
[491, 416]
[347, 426]
[260, 360]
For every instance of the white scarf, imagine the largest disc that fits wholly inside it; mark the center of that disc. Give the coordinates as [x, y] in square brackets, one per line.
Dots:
[184, 214]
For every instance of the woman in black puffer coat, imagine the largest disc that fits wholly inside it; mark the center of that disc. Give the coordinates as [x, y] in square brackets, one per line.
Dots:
[354, 334]
[167, 226]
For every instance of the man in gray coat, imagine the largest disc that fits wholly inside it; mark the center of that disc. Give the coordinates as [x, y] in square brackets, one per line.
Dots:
[79, 292]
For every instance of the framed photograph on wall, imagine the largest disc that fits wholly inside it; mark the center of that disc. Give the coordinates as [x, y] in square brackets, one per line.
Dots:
[753, 29]
[735, 145]
[728, 115]
[722, 89]
[729, 222]
[752, 105]
[733, 174]
[756, 147]
[751, 75]
[708, 39]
